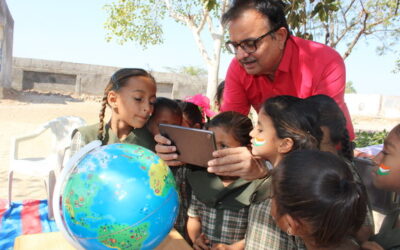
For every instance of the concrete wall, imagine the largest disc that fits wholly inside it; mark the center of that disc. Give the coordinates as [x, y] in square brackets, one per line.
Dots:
[6, 43]
[89, 79]
[373, 105]
[78, 78]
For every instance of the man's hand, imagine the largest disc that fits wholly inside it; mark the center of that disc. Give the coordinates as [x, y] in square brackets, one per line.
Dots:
[165, 151]
[201, 243]
[237, 162]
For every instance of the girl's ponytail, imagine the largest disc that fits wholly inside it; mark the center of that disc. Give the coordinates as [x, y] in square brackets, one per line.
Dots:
[331, 202]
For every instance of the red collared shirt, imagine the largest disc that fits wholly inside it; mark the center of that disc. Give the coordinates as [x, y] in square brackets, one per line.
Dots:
[307, 68]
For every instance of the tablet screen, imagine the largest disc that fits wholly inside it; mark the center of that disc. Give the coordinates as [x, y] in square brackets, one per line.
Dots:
[194, 146]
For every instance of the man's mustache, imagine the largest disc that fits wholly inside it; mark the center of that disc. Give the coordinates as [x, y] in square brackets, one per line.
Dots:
[248, 60]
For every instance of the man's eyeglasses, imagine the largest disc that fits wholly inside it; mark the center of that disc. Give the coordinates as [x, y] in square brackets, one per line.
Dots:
[248, 45]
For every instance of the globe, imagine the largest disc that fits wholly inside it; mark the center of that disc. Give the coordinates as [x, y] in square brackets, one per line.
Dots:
[119, 196]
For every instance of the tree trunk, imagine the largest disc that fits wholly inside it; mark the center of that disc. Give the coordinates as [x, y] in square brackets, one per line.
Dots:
[212, 81]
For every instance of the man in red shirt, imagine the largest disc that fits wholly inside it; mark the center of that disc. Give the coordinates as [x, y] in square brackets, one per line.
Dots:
[270, 62]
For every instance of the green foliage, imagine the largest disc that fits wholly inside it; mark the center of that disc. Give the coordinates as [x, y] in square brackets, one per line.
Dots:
[397, 66]
[302, 14]
[188, 70]
[367, 138]
[350, 88]
[335, 22]
[135, 20]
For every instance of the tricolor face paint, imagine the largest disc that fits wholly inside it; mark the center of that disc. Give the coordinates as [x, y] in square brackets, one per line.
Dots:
[265, 142]
[383, 169]
[259, 142]
[386, 174]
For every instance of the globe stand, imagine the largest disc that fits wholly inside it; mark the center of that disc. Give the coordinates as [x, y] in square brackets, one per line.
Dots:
[57, 190]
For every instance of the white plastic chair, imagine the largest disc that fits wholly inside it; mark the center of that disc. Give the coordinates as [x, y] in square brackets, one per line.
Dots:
[45, 166]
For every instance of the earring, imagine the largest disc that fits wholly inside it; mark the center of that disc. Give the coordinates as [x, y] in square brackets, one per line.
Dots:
[289, 231]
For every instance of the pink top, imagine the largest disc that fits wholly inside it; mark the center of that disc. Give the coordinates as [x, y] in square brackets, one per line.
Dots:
[307, 68]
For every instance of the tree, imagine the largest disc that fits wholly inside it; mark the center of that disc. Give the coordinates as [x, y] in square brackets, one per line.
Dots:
[350, 88]
[345, 23]
[140, 21]
[188, 70]
[337, 23]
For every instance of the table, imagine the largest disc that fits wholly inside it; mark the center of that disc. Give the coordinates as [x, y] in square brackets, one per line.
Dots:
[55, 240]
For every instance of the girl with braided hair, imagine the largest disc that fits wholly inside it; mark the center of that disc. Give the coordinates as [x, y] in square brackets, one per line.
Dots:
[130, 95]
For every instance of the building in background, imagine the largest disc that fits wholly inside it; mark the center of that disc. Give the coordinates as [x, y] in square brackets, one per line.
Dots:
[6, 45]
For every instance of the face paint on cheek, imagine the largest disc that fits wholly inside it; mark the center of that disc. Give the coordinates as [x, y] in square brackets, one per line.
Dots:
[383, 170]
[259, 142]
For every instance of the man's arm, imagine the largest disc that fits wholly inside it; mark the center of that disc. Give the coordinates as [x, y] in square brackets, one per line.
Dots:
[234, 96]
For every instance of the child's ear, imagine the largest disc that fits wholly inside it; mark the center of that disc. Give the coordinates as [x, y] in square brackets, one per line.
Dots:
[286, 145]
[112, 99]
[293, 225]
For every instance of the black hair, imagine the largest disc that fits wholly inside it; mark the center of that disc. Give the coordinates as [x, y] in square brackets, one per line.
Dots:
[162, 103]
[396, 130]
[272, 9]
[192, 112]
[117, 81]
[294, 118]
[219, 93]
[330, 200]
[332, 117]
[233, 123]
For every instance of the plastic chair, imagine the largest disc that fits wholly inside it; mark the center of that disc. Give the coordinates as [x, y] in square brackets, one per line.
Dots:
[46, 166]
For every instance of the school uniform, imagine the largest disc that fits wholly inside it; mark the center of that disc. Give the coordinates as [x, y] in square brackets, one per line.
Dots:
[86, 134]
[222, 210]
[262, 231]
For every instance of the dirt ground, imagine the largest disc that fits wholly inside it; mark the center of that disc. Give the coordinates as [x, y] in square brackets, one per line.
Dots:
[22, 112]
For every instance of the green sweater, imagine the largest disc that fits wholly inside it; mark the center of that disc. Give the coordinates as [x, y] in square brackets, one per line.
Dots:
[138, 136]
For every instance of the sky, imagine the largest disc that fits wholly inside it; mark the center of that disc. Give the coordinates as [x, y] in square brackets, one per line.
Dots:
[72, 31]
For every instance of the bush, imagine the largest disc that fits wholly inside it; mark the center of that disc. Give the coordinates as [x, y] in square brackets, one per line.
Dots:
[368, 138]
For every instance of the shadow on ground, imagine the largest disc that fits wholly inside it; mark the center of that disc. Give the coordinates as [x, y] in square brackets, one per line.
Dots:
[32, 96]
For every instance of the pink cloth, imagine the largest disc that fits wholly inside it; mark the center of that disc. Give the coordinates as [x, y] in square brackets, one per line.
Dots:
[203, 103]
[307, 68]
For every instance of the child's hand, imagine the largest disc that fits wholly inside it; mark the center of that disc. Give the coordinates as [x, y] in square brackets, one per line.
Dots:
[239, 245]
[220, 246]
[201, 243]
[371, 245]
[166, 151]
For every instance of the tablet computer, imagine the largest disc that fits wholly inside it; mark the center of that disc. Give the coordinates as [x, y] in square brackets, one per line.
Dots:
[194, 146]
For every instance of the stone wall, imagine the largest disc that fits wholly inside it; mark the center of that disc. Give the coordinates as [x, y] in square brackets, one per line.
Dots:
[78, 78]
[373, 105]
[89, 79]
[6, 44]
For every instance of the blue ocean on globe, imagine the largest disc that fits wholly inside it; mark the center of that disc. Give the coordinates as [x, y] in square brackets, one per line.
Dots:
[119, 196]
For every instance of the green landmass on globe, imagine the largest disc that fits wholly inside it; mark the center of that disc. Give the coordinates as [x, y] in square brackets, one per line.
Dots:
[123, 237]
[82, 191]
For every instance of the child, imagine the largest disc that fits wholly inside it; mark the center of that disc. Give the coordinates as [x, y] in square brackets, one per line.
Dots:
[285, 124]
[219, 205]
[165, 111]
[333, 125]
[130, 94]
[387, 176]
[219, 96]
[331, 205]
[335, 136]
[192, 116]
